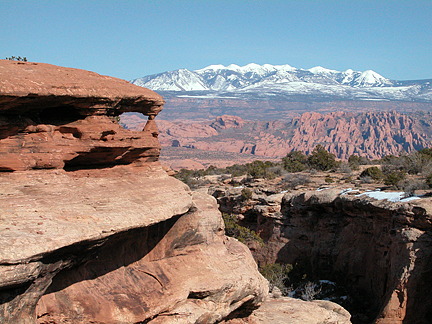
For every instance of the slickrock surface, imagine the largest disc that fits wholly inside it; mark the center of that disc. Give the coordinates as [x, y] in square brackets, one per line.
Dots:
[37, 86]
[187, 273]
[42, 211]
[296, 311]
[92, 229]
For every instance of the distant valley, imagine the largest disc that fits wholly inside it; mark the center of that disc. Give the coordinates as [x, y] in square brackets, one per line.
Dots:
[370, 134]
[267, 111]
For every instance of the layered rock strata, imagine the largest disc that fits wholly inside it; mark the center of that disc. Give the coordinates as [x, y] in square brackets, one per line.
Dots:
[52, 117]
[92, 229]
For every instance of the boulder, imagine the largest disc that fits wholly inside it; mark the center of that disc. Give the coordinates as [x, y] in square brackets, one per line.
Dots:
[296, 311]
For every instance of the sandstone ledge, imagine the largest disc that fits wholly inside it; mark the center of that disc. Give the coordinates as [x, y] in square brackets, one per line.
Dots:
[42, 211]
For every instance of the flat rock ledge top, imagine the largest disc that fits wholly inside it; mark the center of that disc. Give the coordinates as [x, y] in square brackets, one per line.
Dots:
[42, 211]
[27, 85]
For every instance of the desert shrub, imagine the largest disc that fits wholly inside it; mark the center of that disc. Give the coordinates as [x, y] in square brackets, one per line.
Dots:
[429, 180]
[328, 179]
[345, 168]
[354, 161]
[416, 162]
[393, 178]
[366, 179]
[291, 181]
[294, 161]
[255, 169]
[241, 233]
[374, 172]
[310, 291]
[426, 151]
[409, 186]
[260, 169]
[348, 179]
[246, 194]
[236, 170]
[191, 178]
[277, 276]
[322, 160]
[17, 58]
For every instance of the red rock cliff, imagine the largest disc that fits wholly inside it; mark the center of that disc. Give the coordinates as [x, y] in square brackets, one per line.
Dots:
[92, 229]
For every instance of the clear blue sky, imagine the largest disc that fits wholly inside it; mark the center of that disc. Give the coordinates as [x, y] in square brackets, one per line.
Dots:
[131, 39]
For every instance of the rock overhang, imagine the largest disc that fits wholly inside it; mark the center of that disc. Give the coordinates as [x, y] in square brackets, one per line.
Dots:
[25, 86]
[54, 117]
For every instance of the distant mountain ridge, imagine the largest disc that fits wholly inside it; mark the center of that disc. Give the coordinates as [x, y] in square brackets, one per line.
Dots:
[254, 81]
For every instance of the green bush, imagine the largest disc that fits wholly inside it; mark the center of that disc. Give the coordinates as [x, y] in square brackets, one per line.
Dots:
[393, 178]
[246, 194]
[241, 233]
[355, 161]
[328, 179]
[294, 162]
[322, 160]
[277, 275]
[374, 172]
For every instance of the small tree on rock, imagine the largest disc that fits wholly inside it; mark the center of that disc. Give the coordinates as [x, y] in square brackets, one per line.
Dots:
[294, 161]
[322, 160]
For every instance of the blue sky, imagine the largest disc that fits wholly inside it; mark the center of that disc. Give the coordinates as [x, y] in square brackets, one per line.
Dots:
[131, 39]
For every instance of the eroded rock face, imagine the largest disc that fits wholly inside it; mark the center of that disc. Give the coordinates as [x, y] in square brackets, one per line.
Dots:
[55, 117]
[186, 272]
[92, 229]
[381, 250]
[371, 134]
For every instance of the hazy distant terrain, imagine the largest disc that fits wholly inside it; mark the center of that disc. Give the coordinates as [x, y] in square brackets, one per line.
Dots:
[270, 110]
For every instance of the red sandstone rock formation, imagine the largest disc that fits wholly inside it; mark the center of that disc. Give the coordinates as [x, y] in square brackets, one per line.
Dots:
[92, 228]
[295, 311]
[52, 117]
[371, 134]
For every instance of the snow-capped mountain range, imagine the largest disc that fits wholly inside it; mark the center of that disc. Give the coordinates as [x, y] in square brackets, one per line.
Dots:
[267, 81]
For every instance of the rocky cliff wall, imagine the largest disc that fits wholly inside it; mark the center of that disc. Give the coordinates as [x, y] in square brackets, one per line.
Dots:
[380, 250]
[92, 229]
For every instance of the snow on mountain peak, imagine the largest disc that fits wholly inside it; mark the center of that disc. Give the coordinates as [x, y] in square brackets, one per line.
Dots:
[262, 78]
[321, 70]
[214, 67]
[370, 78]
